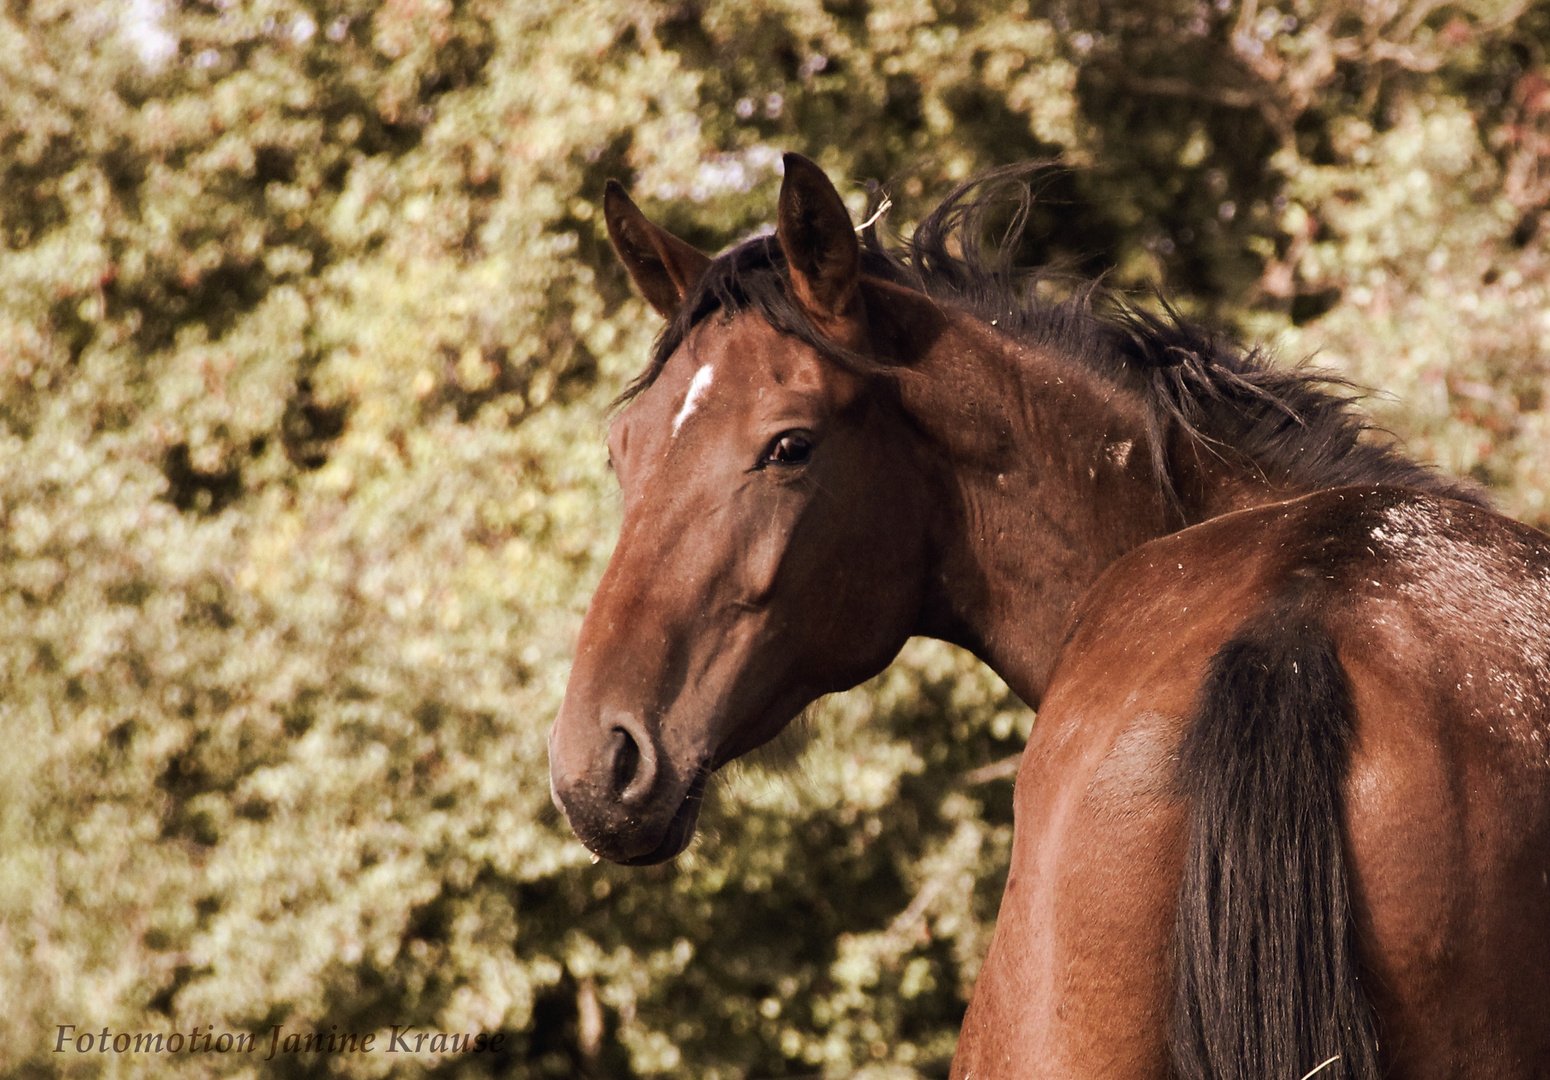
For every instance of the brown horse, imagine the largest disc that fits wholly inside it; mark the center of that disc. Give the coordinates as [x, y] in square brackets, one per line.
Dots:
[1288, 795]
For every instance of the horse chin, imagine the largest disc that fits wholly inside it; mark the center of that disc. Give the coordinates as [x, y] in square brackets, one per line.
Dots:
[679, 832]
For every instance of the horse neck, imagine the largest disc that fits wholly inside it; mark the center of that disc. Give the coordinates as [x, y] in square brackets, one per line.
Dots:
[1043, 477]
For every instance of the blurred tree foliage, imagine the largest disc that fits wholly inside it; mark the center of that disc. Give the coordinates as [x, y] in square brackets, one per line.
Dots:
[307, 333]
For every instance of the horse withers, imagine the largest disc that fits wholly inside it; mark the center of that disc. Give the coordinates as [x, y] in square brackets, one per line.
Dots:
[1287, 801]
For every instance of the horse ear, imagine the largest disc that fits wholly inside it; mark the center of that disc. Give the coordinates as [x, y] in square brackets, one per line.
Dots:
[663, 267]
[819, 240]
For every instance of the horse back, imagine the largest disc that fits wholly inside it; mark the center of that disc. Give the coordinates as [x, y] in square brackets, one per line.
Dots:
[1288, 793]
[1446, 648]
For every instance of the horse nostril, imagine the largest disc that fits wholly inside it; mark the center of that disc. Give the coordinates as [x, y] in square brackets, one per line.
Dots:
[634, 765]
[626, 759]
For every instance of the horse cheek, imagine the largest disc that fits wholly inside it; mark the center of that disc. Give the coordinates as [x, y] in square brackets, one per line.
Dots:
[762, 564]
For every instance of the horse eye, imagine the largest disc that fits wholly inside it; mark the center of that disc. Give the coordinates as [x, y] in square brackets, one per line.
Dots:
[788, 448]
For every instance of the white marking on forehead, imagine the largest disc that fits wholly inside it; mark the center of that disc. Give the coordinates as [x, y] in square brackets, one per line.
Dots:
[697, 387]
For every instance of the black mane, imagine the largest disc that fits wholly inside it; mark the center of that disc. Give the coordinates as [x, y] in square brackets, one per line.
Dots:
[1296, 425]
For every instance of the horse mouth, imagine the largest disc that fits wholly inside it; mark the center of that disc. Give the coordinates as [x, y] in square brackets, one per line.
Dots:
[679, 831]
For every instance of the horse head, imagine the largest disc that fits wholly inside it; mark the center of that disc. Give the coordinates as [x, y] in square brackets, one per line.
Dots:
[772, 547]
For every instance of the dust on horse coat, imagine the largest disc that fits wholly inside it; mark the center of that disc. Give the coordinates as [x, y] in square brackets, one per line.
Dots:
[1288, 795]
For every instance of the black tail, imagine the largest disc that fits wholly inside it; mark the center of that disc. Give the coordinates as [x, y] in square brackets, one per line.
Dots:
[1267, 977]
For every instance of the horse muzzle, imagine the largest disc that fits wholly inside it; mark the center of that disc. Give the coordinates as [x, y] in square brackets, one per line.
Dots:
[622, 799]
